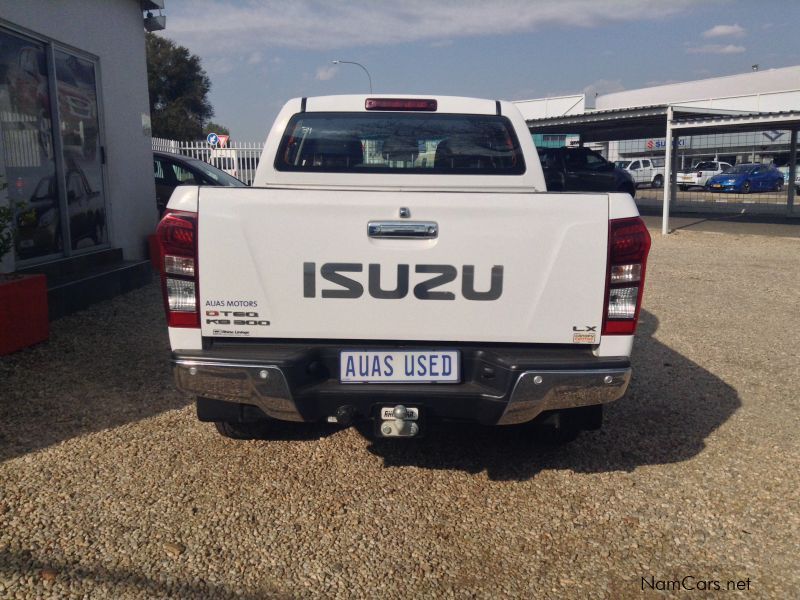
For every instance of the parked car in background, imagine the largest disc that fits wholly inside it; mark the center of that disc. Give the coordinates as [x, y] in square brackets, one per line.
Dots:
[644, 171]
[225, 159]
[172, 170]
[700, 173]
[785, 171]
[582, 170]
[38, 221]
[239, 162]
[746, 178]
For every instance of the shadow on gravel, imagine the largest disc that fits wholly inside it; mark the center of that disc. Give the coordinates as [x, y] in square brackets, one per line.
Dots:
[120, 580]
[102, 367]
[672, 405]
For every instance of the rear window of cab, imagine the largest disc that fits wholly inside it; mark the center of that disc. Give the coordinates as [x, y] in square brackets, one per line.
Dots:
[396, 142]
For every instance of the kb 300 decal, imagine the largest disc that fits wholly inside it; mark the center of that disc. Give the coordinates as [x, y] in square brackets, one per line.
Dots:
[228, 317]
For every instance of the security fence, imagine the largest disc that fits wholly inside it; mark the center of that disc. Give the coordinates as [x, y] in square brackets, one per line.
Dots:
[239, 159]
[722, 172]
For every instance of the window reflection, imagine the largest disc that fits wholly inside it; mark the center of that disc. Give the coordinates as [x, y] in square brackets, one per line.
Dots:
[26, 145]
[77, 108]
[27, 149]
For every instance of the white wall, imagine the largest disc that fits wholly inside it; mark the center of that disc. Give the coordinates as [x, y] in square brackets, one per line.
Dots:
[111, 30]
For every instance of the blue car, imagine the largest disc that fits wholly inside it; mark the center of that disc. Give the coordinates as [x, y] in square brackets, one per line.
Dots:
[746, 178]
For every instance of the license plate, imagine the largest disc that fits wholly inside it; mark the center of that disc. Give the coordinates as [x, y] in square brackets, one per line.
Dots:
[399, 366]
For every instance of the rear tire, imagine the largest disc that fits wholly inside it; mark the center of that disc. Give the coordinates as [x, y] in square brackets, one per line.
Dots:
[779, 185]
[746, 187]
[658, 181]
[240, 431]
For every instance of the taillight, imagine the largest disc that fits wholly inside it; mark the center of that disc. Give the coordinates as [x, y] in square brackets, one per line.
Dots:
[400, 104]
[177, 241]
[628, 246]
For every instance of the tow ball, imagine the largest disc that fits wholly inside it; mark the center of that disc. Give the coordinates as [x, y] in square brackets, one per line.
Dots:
[398, 421]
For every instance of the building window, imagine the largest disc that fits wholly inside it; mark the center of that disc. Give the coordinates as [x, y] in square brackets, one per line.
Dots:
[54, 174]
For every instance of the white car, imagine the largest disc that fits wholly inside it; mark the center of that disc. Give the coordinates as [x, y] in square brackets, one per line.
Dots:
[785, 171]
[645, 171]
[399, 259]
[700, 173]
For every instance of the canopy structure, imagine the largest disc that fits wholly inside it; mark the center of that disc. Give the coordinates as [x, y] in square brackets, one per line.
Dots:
[671, 122]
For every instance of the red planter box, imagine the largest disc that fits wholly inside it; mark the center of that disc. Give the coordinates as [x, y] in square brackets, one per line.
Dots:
[23, 312]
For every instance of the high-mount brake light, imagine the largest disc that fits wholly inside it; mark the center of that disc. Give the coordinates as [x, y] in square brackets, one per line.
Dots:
[628, 247]
[177, 240]
[400, 104]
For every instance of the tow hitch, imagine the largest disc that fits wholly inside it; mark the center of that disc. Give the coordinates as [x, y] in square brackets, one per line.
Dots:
[398, 421]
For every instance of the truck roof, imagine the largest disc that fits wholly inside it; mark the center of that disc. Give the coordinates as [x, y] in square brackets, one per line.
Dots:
[446, 104]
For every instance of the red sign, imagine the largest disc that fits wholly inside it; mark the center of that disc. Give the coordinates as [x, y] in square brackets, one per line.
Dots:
[223, 140]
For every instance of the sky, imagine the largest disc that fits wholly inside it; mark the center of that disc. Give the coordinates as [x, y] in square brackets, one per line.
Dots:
[260, 53]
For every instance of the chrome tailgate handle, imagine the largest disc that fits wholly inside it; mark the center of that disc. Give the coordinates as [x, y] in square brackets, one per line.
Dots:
[403, 229]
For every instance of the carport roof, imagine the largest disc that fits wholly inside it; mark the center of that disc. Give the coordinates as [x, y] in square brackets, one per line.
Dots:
[742, 122]
[648, 121]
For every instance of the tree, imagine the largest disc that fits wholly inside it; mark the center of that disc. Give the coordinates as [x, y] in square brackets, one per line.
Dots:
[178, 90]
[212, 127]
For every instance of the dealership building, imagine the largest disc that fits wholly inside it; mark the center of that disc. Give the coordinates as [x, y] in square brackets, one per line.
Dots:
[75, 144]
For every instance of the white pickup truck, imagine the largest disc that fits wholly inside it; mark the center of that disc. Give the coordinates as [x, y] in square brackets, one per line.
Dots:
[645, 171]
[700, 173]
[398, 259]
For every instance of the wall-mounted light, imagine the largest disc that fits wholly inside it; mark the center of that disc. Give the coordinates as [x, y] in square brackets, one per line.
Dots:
[154, 22]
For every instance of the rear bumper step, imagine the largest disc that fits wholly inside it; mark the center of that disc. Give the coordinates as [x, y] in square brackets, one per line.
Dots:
[501, 386]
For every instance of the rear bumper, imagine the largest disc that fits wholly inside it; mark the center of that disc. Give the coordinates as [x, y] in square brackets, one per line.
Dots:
[500, 385]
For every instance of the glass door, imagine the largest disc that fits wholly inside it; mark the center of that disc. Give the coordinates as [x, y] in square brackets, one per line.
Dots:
[79, 132]
[51, 159]
[27, 149]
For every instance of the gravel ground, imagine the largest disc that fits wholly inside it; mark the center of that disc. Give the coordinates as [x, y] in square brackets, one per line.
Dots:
[110, 488]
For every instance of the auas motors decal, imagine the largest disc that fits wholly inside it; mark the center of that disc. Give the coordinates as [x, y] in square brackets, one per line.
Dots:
[427, 289]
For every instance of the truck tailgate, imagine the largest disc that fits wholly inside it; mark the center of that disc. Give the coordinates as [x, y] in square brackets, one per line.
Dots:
[294, 263]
